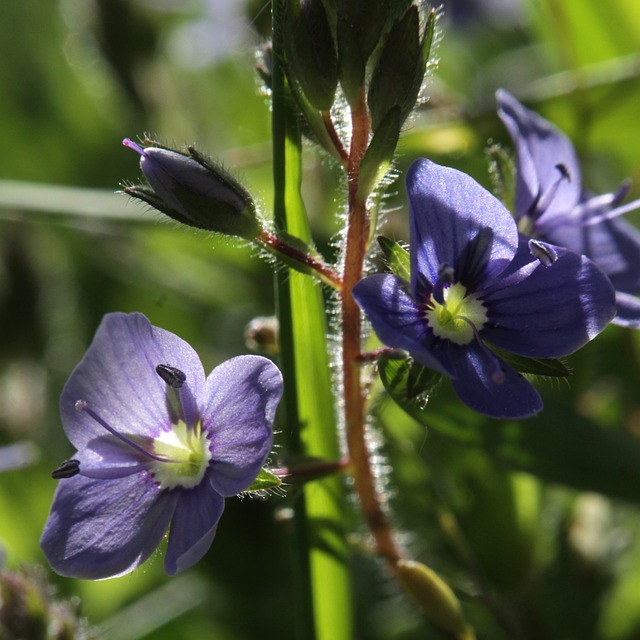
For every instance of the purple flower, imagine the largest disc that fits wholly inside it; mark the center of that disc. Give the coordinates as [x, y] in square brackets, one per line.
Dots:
[158, 444]
[474, 282]
[550, 204]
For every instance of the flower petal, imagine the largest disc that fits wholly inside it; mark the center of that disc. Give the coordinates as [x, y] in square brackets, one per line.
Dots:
[540, 149]
[105, 528]
[242, 396]
[551, 312]
[628, 307]
[614, 245]
[457, 223]
[396, 318]
[514, 397]
[118, 381]
[193, 527]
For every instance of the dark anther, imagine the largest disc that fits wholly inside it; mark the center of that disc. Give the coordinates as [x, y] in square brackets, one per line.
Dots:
[543, 252]
[172, 376]
[562, 168]
[67, 469]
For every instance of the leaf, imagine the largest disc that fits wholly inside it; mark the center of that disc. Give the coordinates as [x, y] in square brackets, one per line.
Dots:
[536, 366]
[265, 480]
[571, 450]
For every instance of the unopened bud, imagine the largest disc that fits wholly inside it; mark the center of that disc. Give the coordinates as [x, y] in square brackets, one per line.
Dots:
[194, 191]
[263, 334]
[400, 70]
[435, 597]
[311, 51]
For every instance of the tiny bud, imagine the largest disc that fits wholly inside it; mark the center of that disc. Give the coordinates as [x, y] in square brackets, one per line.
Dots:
[543, 251]
[192, 190]
[67, 469]
[262, 334]
[435, 597]
[172, 376]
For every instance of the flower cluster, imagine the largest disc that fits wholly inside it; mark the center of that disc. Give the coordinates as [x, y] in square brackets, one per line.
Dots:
[158, 444]
[477, 283]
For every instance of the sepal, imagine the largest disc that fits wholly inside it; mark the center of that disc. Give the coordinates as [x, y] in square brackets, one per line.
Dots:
[397, 257]
[264, 481]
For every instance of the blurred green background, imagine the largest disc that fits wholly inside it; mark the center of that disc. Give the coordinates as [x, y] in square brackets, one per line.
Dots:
[77, 76]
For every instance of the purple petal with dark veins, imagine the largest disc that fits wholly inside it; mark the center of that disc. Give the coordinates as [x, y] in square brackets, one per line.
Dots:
[241, 399]
[540, 148]
[514, 397]
[118, 381]
[396, 319]
[105, 528]
[193, 526]
[553, 310]
[456, 222]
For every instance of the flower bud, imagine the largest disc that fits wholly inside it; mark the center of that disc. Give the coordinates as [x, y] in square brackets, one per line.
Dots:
[435, 597]
[194, 191]
[400, 69]
[311, 52]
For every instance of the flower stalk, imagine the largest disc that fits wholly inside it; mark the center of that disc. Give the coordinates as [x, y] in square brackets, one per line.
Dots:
[354, 397]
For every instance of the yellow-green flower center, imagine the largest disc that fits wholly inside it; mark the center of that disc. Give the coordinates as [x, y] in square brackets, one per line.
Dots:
[457, 316]
[186, 457]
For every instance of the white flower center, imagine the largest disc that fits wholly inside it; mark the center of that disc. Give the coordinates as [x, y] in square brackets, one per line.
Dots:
[457, 316]
[186, 456]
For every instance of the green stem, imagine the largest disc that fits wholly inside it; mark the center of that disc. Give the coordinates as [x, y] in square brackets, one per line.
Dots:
[322, 588]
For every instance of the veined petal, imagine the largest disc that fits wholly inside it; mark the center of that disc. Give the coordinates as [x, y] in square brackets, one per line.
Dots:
[553, 311]
[241, 399]
[628, 308]
[396, 319]
[118, 381]
[105, 528]
[108, 458]
[540, 149]
[456, 222]
[193, 527]
[513, 397]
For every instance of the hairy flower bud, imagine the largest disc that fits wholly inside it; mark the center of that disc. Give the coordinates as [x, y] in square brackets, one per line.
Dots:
[400, 69]
[194, 191]
[311, 52]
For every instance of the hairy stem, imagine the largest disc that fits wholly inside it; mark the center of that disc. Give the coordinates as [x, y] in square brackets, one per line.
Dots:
[354, 398]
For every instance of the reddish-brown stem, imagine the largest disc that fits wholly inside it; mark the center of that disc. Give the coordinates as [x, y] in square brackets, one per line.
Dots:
[272, 243]
[335, 138]
[354, 399]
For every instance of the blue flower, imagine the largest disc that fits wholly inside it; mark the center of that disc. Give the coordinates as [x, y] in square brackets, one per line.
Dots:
[158, 444]
[550, 204]
[475, 281]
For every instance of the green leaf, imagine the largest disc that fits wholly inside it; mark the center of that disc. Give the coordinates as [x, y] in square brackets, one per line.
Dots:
[397, 257]
[571, 450]
[265, 480]
[536, 366]
[319, 548]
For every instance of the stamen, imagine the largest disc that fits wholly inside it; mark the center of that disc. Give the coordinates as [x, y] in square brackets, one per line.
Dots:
[544, 252]
[81, 406]
[172, 376]
[542, 202]
[497, 375]
[67, 469]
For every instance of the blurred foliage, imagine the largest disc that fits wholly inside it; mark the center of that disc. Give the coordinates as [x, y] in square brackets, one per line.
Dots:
[530, 558]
